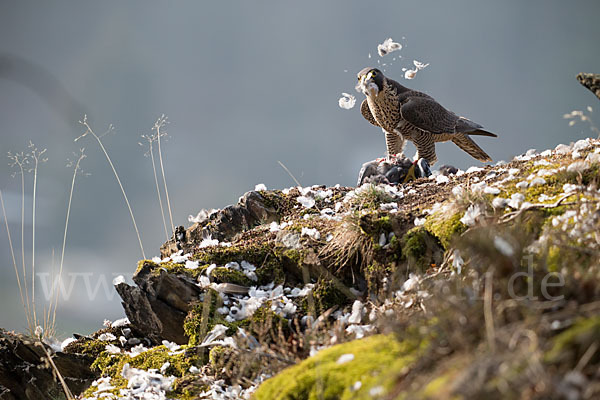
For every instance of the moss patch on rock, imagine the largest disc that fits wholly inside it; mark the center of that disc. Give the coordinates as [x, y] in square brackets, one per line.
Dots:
[179, 364]
[170, 267]
[445, 227]
[373, 361]
[326, 294]
[199, 321]
[228, 275]
[268, 260]
[421, 249]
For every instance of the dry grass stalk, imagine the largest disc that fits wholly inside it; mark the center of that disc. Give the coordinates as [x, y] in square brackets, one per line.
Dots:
[161, 122]
[110, 128]
[12, 253]
[150, 139]
[37, 157]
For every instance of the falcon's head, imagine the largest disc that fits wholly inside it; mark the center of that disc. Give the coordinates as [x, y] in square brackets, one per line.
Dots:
[370, 81]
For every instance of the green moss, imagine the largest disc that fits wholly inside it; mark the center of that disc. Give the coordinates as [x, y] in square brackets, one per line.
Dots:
[374, 222]
[228, 275]
[326, 294]
[553, 186]
[170, 267]
[219, 356]
[531, 224]
[145, 263]
[421, 249]
[435, 387]
[221, 255]
[377, 361]
[195, 325]
[188, 387]
[272, 199]
[570, 345]
[374, 274]
[554, 259]
[382, 224]
[112, 364]
[550, 212]
[445, 227]
[566, 252]
[86, 346]
[91, 346]
[264, 320]
[293, 255]
[395, 243]
[268, 261]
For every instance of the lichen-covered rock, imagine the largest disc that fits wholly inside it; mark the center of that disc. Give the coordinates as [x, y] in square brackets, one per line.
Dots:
[24, 373]
[252, 210]
[158, 305]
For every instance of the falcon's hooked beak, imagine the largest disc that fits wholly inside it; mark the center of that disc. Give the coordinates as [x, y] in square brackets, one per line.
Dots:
[367, 85]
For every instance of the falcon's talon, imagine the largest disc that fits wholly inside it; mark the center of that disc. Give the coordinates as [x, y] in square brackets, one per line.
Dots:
[410, 174]
[418, 169]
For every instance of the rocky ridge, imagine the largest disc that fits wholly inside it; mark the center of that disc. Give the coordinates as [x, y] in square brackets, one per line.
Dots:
[381, 291]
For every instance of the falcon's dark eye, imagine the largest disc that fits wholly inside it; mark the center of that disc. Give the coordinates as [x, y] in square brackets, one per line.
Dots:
[359, 78]
[373, 73]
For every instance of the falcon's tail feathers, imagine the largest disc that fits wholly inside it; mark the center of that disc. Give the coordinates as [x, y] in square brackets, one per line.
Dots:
[467, 144]
[481, 132]
[464, 125]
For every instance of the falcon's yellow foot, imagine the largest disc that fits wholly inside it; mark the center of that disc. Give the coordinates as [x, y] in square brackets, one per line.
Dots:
[419, 169]
[410, 174]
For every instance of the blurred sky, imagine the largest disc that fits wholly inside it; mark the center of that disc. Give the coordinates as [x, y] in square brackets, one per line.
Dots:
[246, 84]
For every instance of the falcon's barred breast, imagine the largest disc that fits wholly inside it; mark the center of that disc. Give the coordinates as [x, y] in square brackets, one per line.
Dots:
[406, 114]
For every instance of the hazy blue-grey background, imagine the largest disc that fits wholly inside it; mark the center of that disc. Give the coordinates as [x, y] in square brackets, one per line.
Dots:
[244, 84]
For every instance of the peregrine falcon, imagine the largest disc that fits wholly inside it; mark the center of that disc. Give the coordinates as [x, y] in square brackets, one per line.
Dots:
[405, 114]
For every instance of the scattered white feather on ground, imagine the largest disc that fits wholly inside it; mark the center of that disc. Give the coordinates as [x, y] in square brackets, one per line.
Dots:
[107, 337]
[344, 358]
[472, 215]
[208, 242]
[311, 233]
[112, 349]
[307, 202]
[118, 280]
[420, 221]
[503, 246]
[441, 179]
[457, 261]
[201, 216]
[120, 322]
[358, 310]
